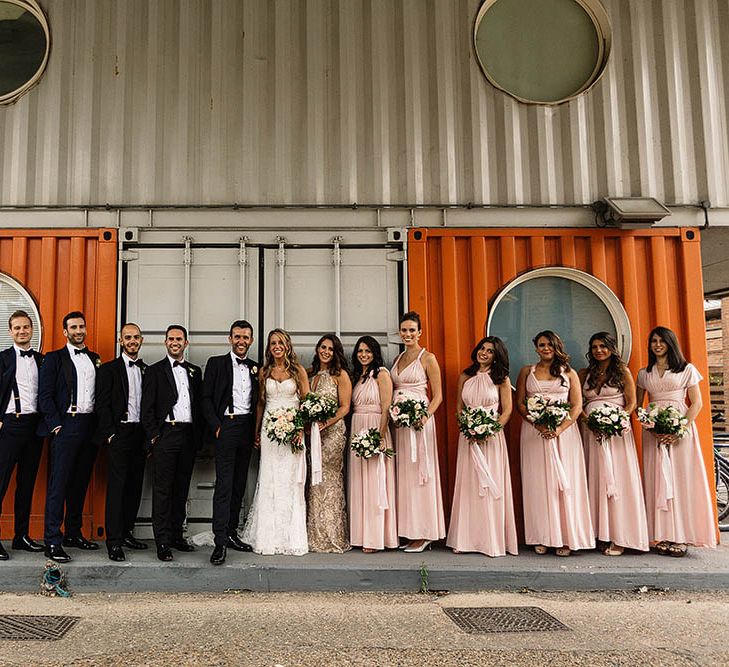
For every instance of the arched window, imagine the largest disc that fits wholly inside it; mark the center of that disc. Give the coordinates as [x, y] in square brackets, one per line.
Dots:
[572, 303]
[25, 42]
[13, 296]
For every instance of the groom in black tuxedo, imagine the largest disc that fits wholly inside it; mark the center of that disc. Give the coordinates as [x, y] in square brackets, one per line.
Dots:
[66, 391]
[20, 447]
[230, 395]
[118, 409]
[173, 423]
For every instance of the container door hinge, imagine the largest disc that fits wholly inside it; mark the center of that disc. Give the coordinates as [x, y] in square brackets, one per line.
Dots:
[396, 256]
[129, 255]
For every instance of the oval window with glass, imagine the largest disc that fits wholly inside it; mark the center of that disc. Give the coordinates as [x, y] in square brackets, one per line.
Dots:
[571, 303]
[13, 296]
[24, 47]
[542, 51]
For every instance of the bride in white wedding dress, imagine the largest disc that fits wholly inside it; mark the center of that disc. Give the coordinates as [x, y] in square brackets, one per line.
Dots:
[276, 523]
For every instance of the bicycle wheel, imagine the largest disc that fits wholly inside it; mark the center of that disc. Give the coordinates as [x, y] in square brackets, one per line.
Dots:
[722, 500]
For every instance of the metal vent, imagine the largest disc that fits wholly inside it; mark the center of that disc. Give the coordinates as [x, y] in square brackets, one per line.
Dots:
[503, 619]
[49, 628]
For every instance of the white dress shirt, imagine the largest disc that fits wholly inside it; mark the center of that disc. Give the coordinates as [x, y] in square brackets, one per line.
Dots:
[85, 381]
[241, 388]
[26, 377]
[183, 408]
[134, 377]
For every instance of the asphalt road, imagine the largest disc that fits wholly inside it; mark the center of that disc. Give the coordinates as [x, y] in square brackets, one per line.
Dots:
[288, 629]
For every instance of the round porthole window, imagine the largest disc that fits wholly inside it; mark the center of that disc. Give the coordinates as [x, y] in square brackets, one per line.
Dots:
[13, 296]
[571, 303]
[24, 47]
[542, 51]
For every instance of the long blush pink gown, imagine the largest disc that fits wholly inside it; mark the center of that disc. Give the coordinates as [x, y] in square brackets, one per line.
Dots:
[678, 502]
[554, 484]
[370, 525]
[419, 500]
[482, 517]
[613, 479]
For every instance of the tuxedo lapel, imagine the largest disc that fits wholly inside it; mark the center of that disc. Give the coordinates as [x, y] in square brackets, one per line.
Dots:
[171, 379]
[122, 370]
[69, 371]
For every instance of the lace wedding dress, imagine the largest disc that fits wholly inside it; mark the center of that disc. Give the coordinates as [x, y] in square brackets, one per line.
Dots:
[277, 521]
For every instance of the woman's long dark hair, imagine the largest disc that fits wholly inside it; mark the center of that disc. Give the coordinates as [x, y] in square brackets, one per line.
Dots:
[376, 364]
[339, 361]
[676, 361]
[499, 370]
[561, 362]
[616, 366]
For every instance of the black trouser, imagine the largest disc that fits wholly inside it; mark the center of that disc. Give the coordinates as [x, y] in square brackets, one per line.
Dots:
[72, 456]
[232, 456]
[20, 449]
[124, 481]
[173, 459]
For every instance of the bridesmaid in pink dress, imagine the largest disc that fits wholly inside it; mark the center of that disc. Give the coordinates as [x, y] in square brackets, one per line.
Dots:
[482, 518]
[556, 504]
[678, 501]
[419, 501]
[613, 474]
[372, 515]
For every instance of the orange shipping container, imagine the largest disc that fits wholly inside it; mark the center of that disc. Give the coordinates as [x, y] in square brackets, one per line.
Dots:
[65, 270]
[454, 275]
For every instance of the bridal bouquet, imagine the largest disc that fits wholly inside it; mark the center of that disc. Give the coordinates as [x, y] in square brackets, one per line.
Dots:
[366, 444]
[608, 420]
[317, 408]
[407, 411]
[543, 411]
[663, 421]
[283, 425]
[478, 423]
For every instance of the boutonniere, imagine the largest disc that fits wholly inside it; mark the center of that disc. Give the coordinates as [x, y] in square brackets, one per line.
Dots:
[97, 362]
[254, 370]
[191, 371]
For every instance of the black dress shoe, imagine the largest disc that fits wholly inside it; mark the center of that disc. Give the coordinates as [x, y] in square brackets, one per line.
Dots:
[5, 556]
[182, 545]
[132, 543]
[80, 542]
[164, 552]
[218, 557]
[55, 552]
[117, 554]
[25, 543]
[234, 542]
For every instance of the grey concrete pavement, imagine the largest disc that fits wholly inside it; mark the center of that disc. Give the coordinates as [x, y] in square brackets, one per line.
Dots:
[701, 569]
[287, 629]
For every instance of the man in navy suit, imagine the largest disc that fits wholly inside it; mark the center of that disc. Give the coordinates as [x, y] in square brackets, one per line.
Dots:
[173, 424]
[20, 447]
[66, 392]
[230, 395]
[118, 411]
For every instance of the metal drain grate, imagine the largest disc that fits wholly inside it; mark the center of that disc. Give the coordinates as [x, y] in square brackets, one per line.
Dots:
[46, 628]
[503, 619]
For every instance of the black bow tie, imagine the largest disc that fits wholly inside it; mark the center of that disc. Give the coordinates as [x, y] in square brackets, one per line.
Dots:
[179, 363]
[138, 363]
[239, 361]
[26, 353]
[82, 351]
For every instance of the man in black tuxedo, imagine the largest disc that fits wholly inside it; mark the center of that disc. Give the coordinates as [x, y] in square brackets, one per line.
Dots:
[20, 447]
[172, 420]
[230, 394]
[66, 392]
[118, 410]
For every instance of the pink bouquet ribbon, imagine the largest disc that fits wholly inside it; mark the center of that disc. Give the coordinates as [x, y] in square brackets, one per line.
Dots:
[485, 480]
[382, 502]
[419, 455]
[665, 483]
[609, 473]
[315, 446]
[301, 466]
[564, 484]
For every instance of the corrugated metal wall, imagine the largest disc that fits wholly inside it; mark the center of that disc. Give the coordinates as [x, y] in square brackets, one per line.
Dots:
[374, 101]
[65, 270]
[454, 274]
